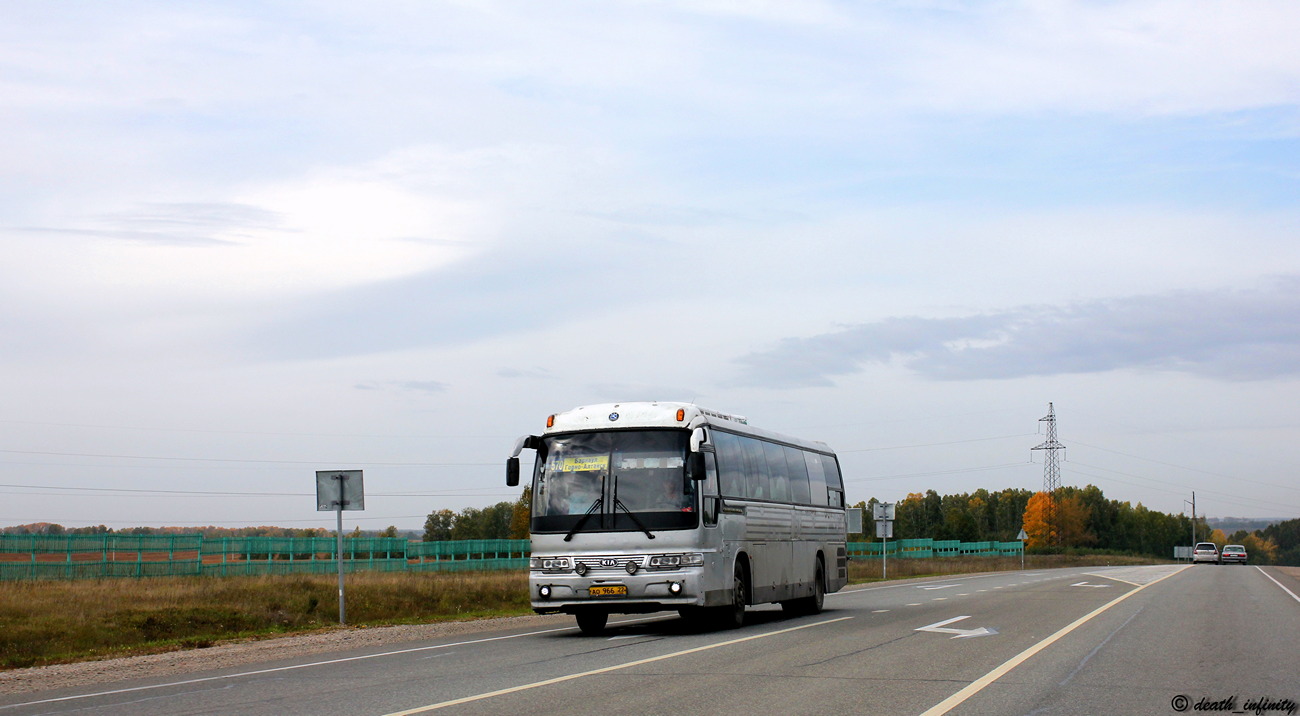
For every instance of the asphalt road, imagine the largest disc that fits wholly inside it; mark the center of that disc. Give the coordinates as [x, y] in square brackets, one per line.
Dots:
[1131, 640]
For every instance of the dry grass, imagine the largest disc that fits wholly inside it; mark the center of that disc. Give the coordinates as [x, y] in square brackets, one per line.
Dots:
[51, 622]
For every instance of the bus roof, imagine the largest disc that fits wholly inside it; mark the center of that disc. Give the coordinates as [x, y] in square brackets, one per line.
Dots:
[662, 414]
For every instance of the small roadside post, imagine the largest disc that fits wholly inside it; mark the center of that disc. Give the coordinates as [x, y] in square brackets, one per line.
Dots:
[883, 514]
[1022, 537]
[339, 490]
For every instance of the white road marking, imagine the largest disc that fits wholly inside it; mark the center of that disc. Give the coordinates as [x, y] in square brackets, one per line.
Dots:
[1288, 591]
[942, 628]
[259, 672]
[605, 670]
[979, 684]
[325, 663]
[1085, 584]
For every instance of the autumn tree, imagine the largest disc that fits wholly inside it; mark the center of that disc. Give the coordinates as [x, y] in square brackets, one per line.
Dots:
[522, 514]
[1037, 521]
[1072, 519]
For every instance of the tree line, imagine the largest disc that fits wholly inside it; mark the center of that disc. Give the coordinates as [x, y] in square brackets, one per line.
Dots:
[504, 520]
[1073, 518]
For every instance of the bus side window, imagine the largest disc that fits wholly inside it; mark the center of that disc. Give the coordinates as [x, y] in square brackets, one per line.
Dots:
[798, 470]
[710, 497]
[757, 475]
[816, 478]
[834, 488]
[780, 479]
[730, 464]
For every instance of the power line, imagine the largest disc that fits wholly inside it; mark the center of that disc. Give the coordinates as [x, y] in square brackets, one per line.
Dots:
[259, 462]
[253, 432]
[127, 490]
[882, 478]
[921, 445]
[1226, 497]
[1190, 469]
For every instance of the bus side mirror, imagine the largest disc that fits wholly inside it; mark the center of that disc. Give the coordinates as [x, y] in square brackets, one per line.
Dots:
[512, 472]
[695, 466]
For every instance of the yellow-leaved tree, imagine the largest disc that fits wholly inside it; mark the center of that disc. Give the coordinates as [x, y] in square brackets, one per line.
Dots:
[1037, 521]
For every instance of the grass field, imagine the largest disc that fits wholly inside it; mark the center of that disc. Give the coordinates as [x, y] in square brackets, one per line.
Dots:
[50, 622]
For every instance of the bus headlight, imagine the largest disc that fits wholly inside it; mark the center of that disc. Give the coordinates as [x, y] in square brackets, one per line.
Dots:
[549, 564]
[675, 588]
[544, 591]
[675, 561]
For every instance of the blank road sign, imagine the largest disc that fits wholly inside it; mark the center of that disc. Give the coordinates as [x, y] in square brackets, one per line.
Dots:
[339, 489]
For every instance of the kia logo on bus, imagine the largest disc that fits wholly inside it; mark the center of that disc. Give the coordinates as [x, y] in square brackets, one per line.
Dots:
[613, 417]
[609, 562]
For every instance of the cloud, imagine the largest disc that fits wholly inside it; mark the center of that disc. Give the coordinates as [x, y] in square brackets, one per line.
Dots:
[1225, 334]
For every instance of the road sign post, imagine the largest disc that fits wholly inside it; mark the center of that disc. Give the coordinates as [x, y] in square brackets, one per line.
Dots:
[883, 513]
[1022, 537]
[339, 490]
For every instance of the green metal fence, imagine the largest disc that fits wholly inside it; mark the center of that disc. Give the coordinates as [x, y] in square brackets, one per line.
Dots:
[109, 556]
[29, 557]
[922, 548]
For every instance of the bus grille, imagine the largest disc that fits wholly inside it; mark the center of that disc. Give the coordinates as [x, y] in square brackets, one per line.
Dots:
[611, 563]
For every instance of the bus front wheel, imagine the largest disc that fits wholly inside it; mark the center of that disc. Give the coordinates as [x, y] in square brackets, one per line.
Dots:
[733, 615]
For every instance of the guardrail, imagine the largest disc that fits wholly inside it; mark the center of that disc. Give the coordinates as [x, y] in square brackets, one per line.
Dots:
[32, 557]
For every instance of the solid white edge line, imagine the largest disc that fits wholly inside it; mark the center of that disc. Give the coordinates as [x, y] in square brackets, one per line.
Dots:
[607, 669]
[979, 684]
[1288, 591]
[259, 672]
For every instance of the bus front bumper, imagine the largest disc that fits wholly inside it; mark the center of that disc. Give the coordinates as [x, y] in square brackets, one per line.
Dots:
[645, 592]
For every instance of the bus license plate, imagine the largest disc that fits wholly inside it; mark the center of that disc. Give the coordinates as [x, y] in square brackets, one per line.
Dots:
[618, 591]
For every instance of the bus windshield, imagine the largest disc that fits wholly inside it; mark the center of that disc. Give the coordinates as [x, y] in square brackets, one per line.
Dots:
[626, 480]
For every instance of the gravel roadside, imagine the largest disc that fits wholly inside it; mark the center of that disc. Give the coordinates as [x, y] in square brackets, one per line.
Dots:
[242, 653]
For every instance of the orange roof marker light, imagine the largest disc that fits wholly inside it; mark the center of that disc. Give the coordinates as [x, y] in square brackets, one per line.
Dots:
[550, 421]
[681, 414]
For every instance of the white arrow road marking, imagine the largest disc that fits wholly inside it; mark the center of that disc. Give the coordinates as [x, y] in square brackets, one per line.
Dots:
[939, 627]
[1085, 584]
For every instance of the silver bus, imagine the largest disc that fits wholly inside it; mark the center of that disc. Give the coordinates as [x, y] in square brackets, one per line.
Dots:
[651, 506]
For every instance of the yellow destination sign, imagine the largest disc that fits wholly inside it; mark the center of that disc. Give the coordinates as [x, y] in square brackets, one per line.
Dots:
[583, 464]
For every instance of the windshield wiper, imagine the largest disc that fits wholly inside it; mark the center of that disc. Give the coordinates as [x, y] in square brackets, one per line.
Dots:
[619, 503]
[594, 506]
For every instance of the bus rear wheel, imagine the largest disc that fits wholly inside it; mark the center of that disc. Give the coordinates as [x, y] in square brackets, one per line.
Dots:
[592, 622]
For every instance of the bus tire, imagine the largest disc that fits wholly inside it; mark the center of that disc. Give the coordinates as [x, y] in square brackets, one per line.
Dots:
[818, 599]
[592, 621]
[733, 615]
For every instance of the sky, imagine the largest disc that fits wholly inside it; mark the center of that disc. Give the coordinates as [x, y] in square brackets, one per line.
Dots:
[241, 242]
